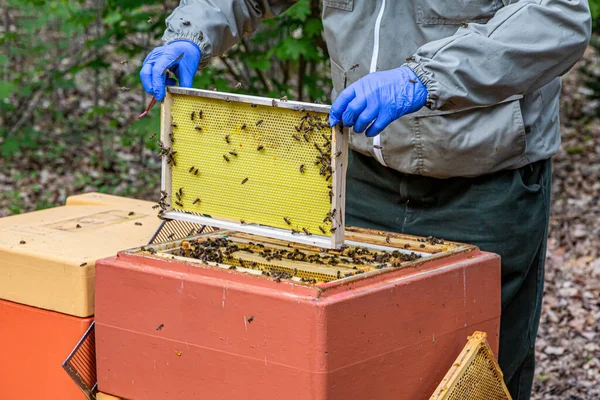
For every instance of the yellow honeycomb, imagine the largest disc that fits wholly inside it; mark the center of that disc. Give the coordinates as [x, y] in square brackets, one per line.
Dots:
[241, 162]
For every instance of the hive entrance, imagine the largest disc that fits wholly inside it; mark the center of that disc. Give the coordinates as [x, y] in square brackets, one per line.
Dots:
[256, 165]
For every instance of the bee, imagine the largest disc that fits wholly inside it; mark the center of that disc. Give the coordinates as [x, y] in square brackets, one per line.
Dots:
[287, 221]
[253, 105]
[284, 98]
[226, 158]
[171, 235]
[297, 128]
[251, 319]
[387, 240]
[158, 328]
[295, 232]
[305, 136]
[464, 24]
[296, 137]
[171, 137]
[227, 139]
[180, 191]
[306, 232]
[156, 206]
[412, 81]
[332, 230]
[243, 126]
[241, 262]
[173, 124]
[318, 148]
[207, 215]
[337, 154]
[192, 115]
[232, 267]
[339, 274]
[260, 121]
[261, 147]
[302, 168]
[321, 229]
[233, 153]
[77, 226]
[138, 223]
[22, 242]
[352, 68]
[82, 264]
[238, 85]
[274, 103]
[197, 128]
[196, 171]
[177, 353]
[131, 213]
[152, 136]
[196, 201]
[422, 246]
[186, 22]
[179, 204]
[227, 100]
[242, 222]
[191, 168]
[178, 196]
[244, 180]
[200, 114]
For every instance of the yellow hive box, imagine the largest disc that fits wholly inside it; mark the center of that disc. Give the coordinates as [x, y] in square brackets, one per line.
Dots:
[47, 257]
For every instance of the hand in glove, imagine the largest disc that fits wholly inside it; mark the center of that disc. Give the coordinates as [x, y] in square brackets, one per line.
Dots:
[152, 74]
[378, 99]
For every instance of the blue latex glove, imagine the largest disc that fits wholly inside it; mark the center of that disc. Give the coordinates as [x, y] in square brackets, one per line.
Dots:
[378, 98]
[162, 57]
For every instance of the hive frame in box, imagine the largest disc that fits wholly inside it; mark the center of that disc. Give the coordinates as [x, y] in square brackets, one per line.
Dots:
[339, 145]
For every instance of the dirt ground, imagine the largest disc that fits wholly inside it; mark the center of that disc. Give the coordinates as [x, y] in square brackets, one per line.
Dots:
[568, 346]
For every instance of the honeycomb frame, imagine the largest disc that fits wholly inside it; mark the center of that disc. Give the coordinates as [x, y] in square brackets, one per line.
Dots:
[474, 375]
[243, 164]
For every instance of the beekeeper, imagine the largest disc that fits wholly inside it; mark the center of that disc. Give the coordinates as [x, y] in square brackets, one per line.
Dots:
[454, 108]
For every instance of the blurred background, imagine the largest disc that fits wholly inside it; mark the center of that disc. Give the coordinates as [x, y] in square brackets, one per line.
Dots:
[70, 95]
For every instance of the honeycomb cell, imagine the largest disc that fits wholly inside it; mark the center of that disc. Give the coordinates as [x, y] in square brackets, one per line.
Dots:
[251, 163]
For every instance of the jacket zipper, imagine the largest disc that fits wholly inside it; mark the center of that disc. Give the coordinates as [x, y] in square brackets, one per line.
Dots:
[377, 139]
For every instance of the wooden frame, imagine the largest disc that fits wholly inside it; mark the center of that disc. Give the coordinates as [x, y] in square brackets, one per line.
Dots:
[339, 164]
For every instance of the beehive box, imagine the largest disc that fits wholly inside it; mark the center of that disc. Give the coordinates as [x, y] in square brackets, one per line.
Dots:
[33, 344]
[290, 328]
[48, 256]
[47, 263]
[269, 167]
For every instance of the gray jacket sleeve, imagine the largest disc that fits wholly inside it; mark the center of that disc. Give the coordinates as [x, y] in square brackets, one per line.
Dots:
[216, 25]
[523, 47]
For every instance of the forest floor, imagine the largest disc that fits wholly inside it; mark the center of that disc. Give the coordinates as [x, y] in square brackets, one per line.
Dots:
[568, 346]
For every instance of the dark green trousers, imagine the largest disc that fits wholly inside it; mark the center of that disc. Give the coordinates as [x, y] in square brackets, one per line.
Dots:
[506, 213]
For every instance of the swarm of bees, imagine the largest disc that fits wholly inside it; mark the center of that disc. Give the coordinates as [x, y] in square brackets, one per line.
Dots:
[312, 129]
[349, 261]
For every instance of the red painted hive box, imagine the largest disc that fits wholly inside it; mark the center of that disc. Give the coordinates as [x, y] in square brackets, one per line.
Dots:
[251, 325]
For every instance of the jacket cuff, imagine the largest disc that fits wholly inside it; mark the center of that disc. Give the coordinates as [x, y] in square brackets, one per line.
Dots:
[203, 44]
[417, 65]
